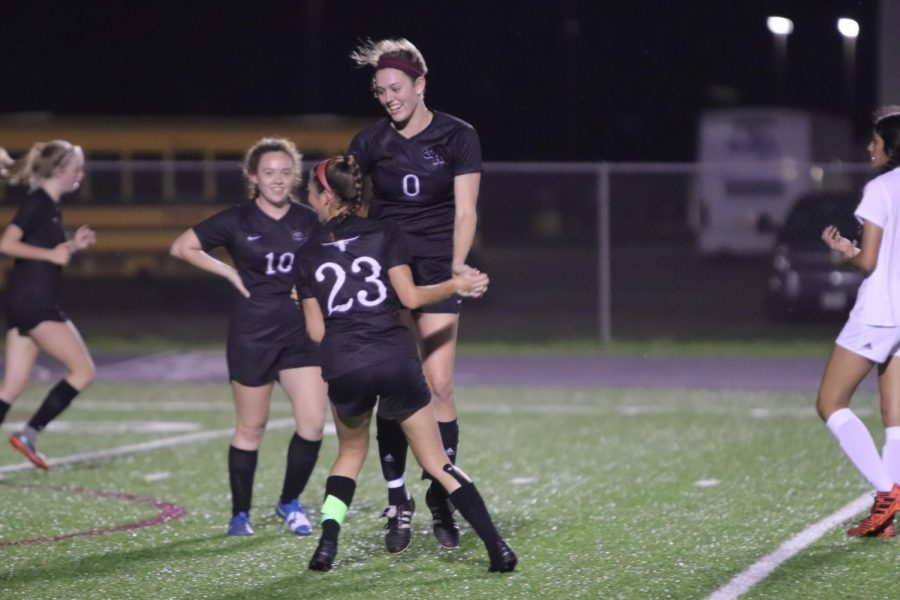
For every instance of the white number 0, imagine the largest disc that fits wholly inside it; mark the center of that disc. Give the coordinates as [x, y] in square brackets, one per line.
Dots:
[411, 185]
[340, 277]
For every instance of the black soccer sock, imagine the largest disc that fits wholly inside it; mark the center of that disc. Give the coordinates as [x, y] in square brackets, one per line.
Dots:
[241, 469]
[338, 496]
[4, 408]
[471, 506]
[392, 449]
[450, 440]
[301, 459]
[57, 400]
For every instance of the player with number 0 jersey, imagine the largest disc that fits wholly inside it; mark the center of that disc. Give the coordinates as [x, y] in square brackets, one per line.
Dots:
[425, 170]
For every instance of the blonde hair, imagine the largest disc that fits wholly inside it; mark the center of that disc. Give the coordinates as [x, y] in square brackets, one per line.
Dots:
[38, 164]
[368, 53]
[263, 146]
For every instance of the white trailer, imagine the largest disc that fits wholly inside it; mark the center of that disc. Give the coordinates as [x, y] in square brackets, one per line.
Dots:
[754, 162]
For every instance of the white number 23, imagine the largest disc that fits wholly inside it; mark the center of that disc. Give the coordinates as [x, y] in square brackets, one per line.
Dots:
[340, 277]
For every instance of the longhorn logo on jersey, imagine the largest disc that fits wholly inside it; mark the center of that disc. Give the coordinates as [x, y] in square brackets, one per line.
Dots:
[434, 155]
[341, 244]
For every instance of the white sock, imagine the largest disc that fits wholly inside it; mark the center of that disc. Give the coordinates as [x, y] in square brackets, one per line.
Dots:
[890, 454]
[858, 445]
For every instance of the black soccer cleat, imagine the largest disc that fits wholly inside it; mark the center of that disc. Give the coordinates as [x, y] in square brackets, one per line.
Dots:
[323, 558]
[399, 531]
[443, 525]
[503, 559]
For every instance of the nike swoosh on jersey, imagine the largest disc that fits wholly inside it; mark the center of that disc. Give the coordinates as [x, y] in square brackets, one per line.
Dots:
[253, 238]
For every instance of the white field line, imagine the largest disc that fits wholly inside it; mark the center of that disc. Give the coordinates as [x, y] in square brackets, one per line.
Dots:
[177, 440]
[628, 410]
[762, 568]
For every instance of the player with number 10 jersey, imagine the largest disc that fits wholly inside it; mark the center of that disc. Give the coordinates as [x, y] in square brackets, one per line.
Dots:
[263, 251]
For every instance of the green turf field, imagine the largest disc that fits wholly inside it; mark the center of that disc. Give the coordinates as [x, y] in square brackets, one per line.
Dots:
[603, 494]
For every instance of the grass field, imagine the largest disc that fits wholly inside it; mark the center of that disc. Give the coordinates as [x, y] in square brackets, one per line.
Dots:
[603, 494]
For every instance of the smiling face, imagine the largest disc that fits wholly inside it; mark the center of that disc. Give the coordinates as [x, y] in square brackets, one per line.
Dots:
[274, 177]
[398, 93]
[877, 154]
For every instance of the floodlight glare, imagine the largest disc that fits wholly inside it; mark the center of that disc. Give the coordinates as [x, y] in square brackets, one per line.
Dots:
[848, 28]
[780, 25]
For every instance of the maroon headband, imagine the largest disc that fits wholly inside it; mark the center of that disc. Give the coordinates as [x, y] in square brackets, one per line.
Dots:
[320, 175]
[401, 64]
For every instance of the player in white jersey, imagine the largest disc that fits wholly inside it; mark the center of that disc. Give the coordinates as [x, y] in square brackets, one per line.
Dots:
[872, 334]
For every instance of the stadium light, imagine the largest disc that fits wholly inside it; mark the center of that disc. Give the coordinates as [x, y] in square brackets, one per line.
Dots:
[849, 28]
[781, 28]
[780, 25]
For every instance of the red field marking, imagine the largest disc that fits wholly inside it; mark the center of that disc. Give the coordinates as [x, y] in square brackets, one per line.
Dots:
[167, 512]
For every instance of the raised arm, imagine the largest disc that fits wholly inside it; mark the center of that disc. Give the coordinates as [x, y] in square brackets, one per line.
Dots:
[864, 258]
[469, 283]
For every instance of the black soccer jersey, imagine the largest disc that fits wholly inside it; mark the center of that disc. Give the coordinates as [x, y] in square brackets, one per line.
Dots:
[413, 178]
[264, 251]
[37, 281]
[346, 271]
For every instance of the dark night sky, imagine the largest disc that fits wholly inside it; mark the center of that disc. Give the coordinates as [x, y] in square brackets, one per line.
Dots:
[540, 79]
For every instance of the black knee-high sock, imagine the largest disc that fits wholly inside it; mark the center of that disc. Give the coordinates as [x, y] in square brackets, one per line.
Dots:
[450, 440]
[4, 408]
[301, 459]
[471, 506]
[339, 492]
[392, 449]
[241, 469]
[57, 400]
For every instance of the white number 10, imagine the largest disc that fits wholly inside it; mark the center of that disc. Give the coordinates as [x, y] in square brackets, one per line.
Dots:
[285, 262]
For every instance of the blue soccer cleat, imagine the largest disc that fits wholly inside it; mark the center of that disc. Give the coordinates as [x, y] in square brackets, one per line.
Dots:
[293, 514]
[240, 525]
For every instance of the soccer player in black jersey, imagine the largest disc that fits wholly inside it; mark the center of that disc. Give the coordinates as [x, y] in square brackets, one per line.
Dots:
[37, 240]
[267, 339]
[354, 279]
[425, 169]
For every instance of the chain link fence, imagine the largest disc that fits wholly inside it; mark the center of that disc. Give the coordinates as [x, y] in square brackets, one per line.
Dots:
[576, 251]
[623, 251]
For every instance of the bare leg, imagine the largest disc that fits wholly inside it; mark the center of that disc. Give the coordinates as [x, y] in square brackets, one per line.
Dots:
[21, 354]
[844, 371]
[424, 439]
[63, 342]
